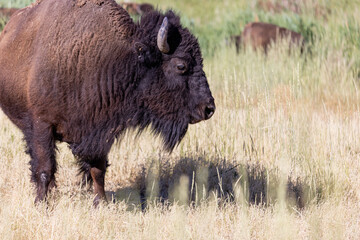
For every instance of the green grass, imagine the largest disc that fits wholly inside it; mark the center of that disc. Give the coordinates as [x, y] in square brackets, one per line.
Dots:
[285, 134]
[15, 3]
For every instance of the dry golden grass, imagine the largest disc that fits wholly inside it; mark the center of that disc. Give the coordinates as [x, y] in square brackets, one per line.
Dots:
[280, 159]
[261, 142]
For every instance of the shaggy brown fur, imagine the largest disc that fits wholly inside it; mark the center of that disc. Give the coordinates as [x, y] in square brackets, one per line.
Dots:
[82, 72]
[259, 35]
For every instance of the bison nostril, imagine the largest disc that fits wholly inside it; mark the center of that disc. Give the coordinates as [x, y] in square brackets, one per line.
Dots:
[209, 111]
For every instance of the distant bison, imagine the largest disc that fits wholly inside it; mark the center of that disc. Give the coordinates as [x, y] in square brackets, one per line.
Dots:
[318, 8]
[237, 41]
[279, 6]
[259, 35]
[7, 12]
[83, 72]
[137, 8]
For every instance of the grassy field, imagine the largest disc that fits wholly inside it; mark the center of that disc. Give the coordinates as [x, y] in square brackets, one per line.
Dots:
[280, 159]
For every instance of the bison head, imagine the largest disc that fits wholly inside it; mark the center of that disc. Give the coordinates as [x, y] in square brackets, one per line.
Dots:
[173, 85]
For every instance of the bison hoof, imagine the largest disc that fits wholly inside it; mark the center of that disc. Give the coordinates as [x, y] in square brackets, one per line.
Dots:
[99, 199]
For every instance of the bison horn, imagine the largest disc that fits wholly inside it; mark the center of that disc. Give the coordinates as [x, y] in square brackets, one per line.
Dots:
[162, 37]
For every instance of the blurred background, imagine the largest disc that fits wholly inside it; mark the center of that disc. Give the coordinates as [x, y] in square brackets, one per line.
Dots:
[280, 159]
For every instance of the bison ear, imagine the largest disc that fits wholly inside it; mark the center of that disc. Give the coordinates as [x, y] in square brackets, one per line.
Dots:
[140, 50]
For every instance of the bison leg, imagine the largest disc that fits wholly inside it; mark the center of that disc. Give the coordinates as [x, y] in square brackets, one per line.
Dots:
[41, 147]
[94, 172]
[86, 176]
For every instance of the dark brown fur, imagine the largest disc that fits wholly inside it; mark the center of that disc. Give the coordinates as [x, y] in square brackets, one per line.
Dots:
[260, 35]
[237, 41]
[82, 72]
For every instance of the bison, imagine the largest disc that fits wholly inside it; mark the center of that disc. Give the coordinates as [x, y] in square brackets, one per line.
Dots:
[279, 6]
[259, 35]
[235, 40]
[137, 8]
[82, 72]
[7, 12]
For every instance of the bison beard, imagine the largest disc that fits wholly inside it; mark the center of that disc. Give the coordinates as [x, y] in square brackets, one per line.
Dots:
[172, 132]
[91, 73]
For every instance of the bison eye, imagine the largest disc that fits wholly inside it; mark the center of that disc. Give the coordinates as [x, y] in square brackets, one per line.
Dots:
[181, 67]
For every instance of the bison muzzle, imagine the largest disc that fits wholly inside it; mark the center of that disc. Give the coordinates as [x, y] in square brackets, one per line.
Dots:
[82, 72]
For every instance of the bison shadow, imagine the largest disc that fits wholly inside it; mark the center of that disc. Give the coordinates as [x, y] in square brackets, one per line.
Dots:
[191, 181]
